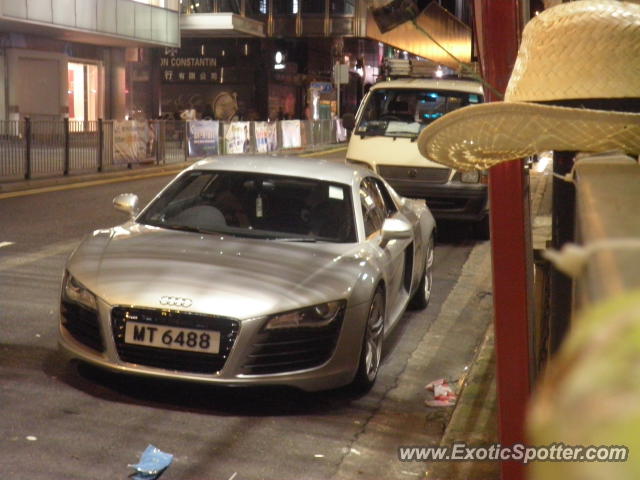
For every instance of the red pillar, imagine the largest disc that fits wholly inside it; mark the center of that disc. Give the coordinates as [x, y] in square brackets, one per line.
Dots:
[498, 27]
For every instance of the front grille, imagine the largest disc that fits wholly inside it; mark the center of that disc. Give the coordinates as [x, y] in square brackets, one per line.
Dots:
[287, 350]
[82, 324]
[438, 203]
[184, 361]
[421, 174]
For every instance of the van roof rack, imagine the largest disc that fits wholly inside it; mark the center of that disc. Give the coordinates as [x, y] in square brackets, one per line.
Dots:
[419, 68]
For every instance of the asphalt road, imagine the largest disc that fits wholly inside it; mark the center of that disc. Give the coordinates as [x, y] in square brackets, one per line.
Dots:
[68, 421]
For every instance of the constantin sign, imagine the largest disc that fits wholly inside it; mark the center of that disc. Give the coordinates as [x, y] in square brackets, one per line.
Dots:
[176, 68]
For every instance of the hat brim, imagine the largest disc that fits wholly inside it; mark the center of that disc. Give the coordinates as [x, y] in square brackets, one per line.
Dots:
[481, 136]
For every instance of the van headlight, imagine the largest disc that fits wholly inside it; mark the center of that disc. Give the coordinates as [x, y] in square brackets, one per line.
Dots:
[315, 316]
[470, 177]
[73, 291]
[474, 176]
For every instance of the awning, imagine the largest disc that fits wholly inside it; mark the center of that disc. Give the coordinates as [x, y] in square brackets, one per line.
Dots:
[446, 29]
[220, 25]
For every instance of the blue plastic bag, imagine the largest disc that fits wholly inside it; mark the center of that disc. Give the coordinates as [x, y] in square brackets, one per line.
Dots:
[153, 462]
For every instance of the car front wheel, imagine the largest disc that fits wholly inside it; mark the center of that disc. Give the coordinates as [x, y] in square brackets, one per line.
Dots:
[371, 352]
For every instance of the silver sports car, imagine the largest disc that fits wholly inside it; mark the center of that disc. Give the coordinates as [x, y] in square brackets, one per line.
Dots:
[251, 271]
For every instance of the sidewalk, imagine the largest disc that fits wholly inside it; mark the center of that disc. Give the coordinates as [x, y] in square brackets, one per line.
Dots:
[474, 420]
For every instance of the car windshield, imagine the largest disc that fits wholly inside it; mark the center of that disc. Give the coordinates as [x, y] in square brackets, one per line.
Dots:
[273, 207]
[405, 112]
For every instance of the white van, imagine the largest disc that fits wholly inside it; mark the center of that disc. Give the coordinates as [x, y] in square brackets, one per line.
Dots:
[387, 125]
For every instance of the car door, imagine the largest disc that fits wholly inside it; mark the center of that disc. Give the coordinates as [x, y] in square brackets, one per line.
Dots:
[375, 209]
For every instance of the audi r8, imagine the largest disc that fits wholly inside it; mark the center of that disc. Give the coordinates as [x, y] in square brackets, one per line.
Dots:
[251, 271]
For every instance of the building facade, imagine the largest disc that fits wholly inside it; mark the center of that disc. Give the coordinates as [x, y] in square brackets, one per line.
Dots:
[72, 58]
[275, 59]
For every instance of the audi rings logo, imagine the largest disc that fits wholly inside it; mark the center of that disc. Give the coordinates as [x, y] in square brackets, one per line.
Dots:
[175, 301]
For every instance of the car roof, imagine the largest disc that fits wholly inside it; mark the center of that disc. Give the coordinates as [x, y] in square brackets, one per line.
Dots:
[317, 168]
[432, 83]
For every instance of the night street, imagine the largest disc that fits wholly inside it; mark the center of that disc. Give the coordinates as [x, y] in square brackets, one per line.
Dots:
[62, 420]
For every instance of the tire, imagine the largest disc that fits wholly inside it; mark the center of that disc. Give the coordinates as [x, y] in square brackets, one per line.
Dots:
[421, 296]
[481, 229]
[371, 351]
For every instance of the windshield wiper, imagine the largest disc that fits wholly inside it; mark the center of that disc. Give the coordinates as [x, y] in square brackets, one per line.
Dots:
[186, 228]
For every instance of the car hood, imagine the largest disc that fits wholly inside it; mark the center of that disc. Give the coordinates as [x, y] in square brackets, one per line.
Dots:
[385, 150]
[223, 275]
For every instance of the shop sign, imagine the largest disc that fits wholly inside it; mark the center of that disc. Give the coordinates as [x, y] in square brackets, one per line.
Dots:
[178, 69]
[322, 87]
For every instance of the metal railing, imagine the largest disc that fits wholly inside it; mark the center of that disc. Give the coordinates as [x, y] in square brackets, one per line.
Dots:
[47, 148]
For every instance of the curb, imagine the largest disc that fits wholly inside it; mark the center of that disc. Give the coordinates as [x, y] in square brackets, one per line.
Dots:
[474, 419]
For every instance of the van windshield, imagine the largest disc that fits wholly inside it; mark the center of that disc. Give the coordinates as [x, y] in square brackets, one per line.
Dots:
[404, 112]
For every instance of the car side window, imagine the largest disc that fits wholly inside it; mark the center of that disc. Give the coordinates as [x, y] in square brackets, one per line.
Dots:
[389, 207]
[373, 209]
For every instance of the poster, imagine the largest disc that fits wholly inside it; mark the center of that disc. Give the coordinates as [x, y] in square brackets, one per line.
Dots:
[341, 132]
[203, 138]
[133, 141]
[266, 136]
[291, 134]
[237, 138]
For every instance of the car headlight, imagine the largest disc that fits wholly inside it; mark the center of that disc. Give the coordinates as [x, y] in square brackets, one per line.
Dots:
[359, 164]
[316, 316]
[470, 177]
[74, 291]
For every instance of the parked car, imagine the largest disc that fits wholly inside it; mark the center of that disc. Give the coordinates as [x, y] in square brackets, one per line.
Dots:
[385, 130]
[255, 270]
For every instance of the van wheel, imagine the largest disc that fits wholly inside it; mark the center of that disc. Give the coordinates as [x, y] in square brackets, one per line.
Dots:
[481, 229]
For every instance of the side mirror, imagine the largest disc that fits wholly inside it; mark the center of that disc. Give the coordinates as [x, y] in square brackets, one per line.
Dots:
[127, 203]
[348, 121]
[394, 229]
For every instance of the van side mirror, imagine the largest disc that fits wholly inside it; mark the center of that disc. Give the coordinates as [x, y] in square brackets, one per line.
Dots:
[127, 203]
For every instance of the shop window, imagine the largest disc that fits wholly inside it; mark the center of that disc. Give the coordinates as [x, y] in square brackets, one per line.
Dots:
[313, 6]
[343, 7]
[256, 8]
[230, 6]
[82, 88]
[169, 4]
[197, 6]
[285, 7]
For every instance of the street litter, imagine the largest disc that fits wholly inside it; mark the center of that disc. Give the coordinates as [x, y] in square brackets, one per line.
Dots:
[443, 394]
[153, 462]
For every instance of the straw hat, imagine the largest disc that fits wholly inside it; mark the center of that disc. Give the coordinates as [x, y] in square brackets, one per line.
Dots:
[574, 86]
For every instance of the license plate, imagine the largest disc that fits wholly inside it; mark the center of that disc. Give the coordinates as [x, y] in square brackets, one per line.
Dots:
[174, 338]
